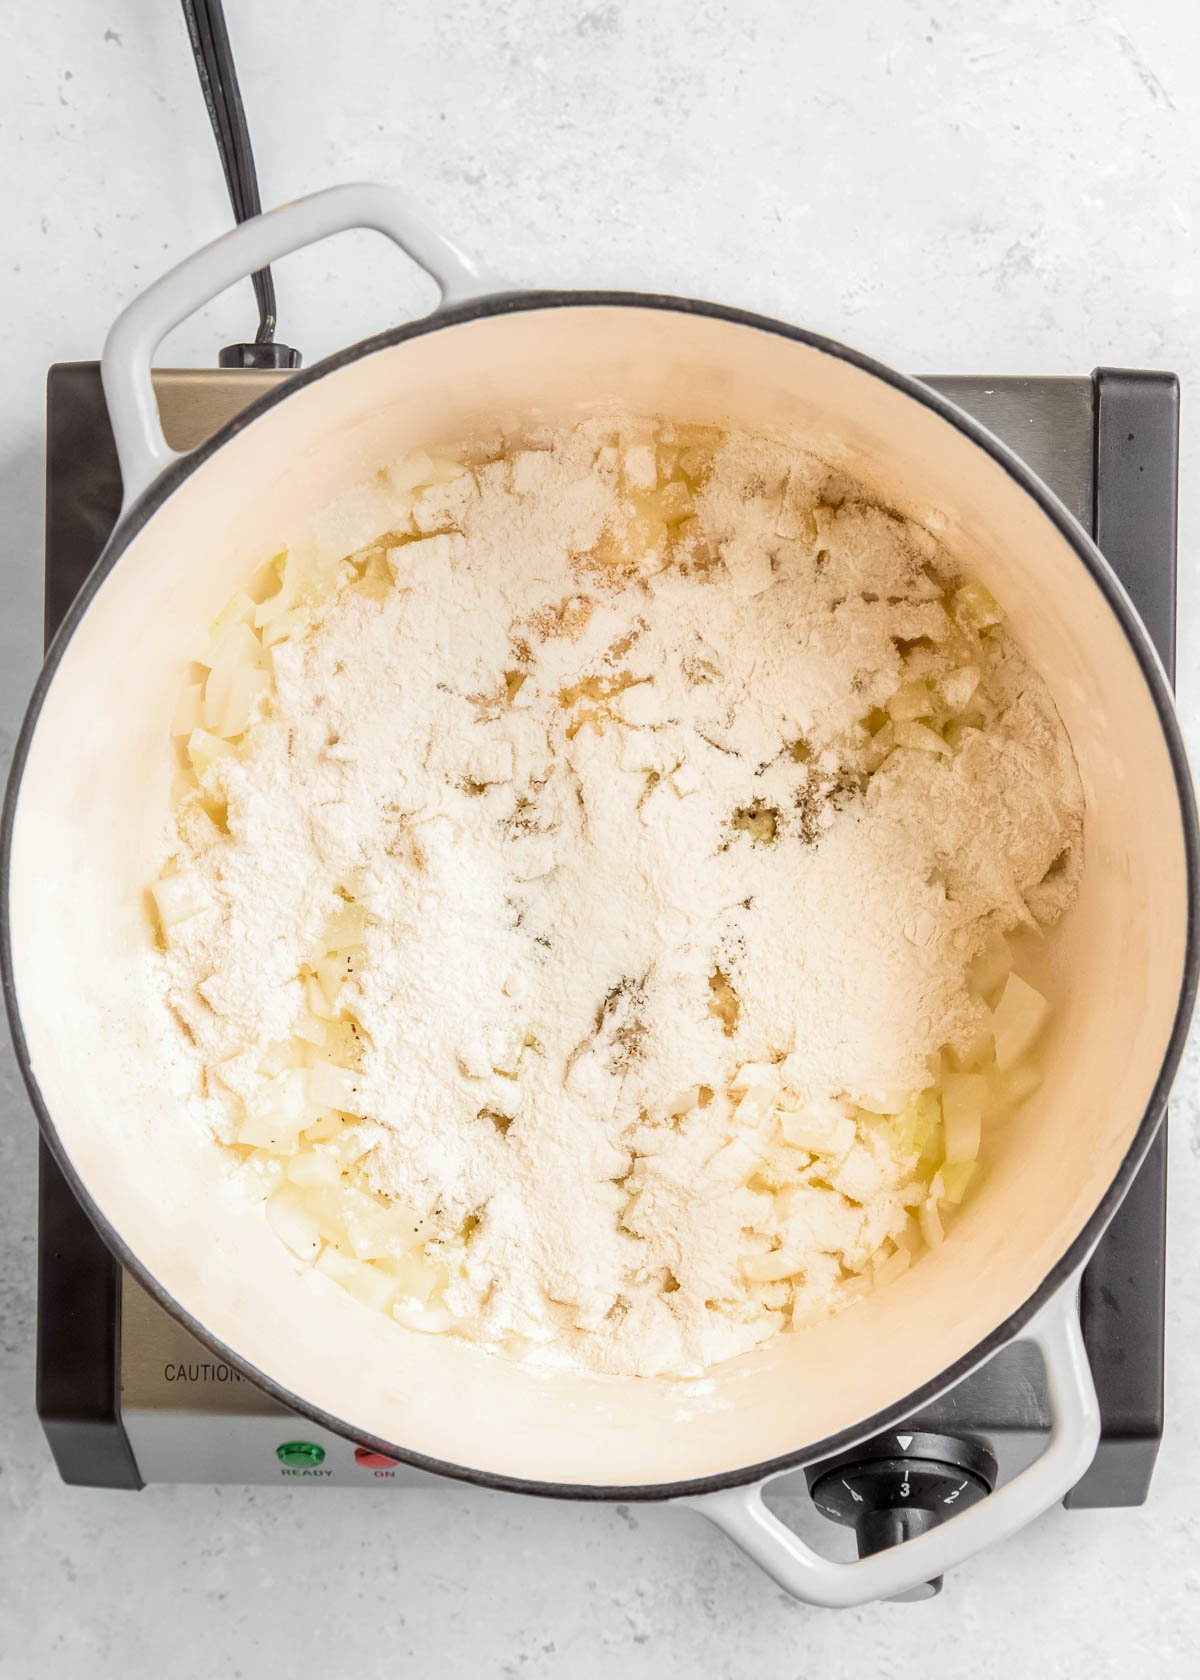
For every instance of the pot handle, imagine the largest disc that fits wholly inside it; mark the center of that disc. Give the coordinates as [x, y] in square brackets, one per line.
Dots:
[142, 449]
[1074, 1435]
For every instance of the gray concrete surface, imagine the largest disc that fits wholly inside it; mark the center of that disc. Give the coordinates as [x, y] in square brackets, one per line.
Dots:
[1009, 186]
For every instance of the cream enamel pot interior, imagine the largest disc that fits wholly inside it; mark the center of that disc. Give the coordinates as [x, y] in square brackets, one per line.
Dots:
[84, 820]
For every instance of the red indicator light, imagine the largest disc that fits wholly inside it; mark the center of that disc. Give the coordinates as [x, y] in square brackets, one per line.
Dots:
[371, 1460]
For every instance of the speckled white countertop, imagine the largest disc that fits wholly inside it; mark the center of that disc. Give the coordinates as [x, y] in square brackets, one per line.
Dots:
[952, 186]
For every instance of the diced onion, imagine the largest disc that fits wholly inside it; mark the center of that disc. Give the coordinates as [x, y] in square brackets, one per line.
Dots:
[734, 1163]
[203, 748]
[931, 1224]
[327, 1203]
[267, 1169]
[289, 1217]
[919, 735]
[956, 1176]
[883, 1102]
[918, 1130]
[881, 744]
[415, 1277]
[895, 1266]
[367, 1283]
[975, 607]
[769, 1268]
[314, 1166]
[757, 1076]
[346, 927]
[334, 1087]
[754, 1107]
[180, 897]
[333, 971]
[276, 1111]
[376, 1229]
[313, 1029]
[430, 1320]
[1017, 1020]
[911, 700]
[683, 1102]
[325, 1127]
[238, 645]
[411, 470]
[819, 1133]
[964, 1097]
[236, 612]
[232, 702]
[317, 1001]
[349, 1144]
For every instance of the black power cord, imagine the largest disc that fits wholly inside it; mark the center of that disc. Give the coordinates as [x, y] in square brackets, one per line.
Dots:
[219, 83]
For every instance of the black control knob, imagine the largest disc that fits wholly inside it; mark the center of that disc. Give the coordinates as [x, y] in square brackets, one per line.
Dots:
[897, 1486]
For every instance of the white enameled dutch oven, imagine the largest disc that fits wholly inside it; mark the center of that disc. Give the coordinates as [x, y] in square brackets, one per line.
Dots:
[90, 788]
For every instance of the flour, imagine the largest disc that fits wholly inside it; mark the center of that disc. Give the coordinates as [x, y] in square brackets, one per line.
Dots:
[641, 858]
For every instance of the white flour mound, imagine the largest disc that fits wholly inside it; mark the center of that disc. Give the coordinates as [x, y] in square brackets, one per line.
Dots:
[622, 832]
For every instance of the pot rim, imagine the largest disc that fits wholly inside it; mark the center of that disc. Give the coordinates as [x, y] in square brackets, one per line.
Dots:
[137, 517]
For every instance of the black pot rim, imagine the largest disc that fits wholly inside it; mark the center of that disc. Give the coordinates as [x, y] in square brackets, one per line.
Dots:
[157, 493]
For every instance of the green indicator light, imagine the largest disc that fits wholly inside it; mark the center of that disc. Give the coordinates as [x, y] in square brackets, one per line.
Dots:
[300, 1455]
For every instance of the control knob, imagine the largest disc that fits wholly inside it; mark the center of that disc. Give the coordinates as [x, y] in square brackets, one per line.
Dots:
[902, 1484]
